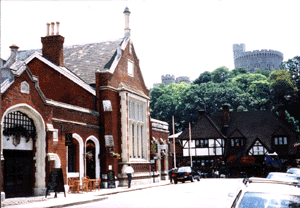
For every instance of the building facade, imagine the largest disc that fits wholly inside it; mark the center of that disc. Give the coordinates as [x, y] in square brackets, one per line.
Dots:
[263, 59]
[219, 138]
[82, 108]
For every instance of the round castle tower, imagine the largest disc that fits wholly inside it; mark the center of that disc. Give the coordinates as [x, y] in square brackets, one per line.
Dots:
[168, 79]
[263, 59]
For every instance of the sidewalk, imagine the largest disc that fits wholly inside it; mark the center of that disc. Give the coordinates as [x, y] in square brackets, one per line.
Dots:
[72, 198]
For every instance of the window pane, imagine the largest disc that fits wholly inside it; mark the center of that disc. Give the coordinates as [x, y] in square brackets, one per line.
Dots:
[276, 141]
[284, 140]
[280, 140]
[232, 142]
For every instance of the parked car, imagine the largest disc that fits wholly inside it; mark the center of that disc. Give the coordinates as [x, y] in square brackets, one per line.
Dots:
[186, 173]
[294, 171]
[263, 193]
[285, 177]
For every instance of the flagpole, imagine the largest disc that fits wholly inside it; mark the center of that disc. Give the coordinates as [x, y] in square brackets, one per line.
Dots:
[190, 140]
[174, 151]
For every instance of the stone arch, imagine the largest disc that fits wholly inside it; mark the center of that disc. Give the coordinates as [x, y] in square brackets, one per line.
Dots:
[40, 144]
[81, 146]
[97, 152]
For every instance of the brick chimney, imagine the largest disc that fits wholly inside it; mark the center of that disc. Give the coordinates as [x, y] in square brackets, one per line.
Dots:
[281, 112]
[201, 113]
[226, 116]
[53, 48]
[13, 56]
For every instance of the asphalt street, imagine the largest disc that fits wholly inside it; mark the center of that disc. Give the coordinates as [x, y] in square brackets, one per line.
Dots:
[206, 193]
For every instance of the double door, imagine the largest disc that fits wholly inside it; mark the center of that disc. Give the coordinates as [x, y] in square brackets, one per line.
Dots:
[18, 173]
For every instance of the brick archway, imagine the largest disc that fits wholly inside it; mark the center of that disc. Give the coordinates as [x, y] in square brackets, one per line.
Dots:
[39, 188]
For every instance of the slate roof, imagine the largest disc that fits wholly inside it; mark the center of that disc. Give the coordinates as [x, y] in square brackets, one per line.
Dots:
[83, 60]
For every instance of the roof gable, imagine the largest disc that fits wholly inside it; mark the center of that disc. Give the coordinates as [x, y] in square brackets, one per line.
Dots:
[236, 133]
[62, 70]
[204, 128]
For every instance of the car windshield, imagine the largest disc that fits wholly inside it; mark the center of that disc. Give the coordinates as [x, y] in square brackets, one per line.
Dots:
[266, 200]
[294, 171]
[282, 177]
[184, 169]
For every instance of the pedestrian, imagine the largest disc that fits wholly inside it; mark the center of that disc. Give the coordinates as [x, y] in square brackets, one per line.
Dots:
[129, 171]
[170, 174]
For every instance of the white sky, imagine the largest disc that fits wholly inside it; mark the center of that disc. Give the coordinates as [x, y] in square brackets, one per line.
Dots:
[184, 38]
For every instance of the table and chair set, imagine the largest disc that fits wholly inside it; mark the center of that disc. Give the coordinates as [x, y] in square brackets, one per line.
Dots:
[87, 184]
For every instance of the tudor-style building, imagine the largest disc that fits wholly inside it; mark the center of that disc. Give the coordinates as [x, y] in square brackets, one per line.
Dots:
[227, 136]
[82, 108]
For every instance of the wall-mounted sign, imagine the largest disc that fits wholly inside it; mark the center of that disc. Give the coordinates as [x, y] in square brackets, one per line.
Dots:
[68, 139]
[160, 147]
[153, 148]
[107, 105]
[109, 140]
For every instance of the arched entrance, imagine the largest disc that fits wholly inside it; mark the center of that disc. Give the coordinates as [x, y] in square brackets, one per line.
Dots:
[90, 159]
[19, 133]
[34, 150]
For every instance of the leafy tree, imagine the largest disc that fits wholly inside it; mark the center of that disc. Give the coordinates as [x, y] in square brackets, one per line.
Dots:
[243, 81]
[262, 71]
[293, 66]
[239, 70]
[203, 78]
[220, 74]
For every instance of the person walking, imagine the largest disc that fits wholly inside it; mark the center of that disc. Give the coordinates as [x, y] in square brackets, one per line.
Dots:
[129, 171]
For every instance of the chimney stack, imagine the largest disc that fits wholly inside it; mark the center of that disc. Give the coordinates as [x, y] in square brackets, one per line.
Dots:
[226, 116]
[53, 45]
[281, 112]
[13, 56]
[127, 14]
[201, 113]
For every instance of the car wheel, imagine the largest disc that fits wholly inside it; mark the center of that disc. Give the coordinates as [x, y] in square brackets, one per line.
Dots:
[192, 179]
[183, 181]
[198, 179]
[175, 181]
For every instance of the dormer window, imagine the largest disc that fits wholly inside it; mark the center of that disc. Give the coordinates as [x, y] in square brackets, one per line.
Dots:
[280, 140]
[130, 68]
[237, 142]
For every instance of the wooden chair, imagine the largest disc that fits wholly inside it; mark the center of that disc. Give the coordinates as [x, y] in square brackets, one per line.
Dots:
[97, 184]
[72, 185]
[85, 184]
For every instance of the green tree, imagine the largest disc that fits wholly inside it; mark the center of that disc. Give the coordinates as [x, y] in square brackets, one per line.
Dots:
[220, 74]
[203, 78]
[262, 71]
[238, 70]
[243, 81]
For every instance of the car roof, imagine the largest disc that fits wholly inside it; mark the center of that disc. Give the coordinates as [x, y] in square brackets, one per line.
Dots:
[273, 188]
[263, 185]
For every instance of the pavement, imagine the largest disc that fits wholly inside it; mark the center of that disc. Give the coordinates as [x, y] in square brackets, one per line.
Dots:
[73, 198]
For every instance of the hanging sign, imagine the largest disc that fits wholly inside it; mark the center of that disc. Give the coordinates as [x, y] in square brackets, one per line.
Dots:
[68, 139]
[109, 140]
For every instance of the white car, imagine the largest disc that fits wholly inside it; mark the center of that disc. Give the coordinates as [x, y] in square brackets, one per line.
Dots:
[288, 177]
[294, 171]
[266, 193]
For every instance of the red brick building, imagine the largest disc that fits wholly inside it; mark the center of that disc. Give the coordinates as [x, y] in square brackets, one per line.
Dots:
[82, 108]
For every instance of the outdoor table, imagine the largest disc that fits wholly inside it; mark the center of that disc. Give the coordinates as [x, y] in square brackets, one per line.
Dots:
[91, 184]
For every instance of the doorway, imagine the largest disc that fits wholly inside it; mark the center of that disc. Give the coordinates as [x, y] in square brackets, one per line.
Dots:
[90, 160]
[18, 173]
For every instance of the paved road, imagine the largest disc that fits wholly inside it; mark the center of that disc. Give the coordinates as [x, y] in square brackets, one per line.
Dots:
[206, 193]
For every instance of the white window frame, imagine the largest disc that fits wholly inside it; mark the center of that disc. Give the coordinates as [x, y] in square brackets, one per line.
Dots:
[130, 68]
[137, 127]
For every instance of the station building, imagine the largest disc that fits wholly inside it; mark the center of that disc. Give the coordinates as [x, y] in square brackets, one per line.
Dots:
[82, 108]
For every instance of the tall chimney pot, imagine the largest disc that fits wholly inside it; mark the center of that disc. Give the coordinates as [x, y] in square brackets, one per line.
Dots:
[48, 29]
[52, 28]
[57, 28]
[127, 14]
[226, 116]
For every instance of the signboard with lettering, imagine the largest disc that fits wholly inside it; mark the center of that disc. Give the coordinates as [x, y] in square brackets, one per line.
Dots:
[111, 179]
[56, 182]
[68, 139]
[153, 148]
[109, 140]
[160, 147]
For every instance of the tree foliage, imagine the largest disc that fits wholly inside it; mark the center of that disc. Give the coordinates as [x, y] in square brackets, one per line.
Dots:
[237, 88]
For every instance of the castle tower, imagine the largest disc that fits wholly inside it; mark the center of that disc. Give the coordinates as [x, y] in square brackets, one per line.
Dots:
[238, 49]
[168, 79]
[127, 14]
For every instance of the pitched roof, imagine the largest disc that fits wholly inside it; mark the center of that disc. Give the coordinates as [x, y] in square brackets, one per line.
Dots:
[253, 125]
[84, 60]
[204, 128]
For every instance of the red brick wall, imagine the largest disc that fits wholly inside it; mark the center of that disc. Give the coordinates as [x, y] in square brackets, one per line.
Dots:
[59, 88]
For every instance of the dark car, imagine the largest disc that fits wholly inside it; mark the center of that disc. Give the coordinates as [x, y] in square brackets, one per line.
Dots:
[186, 173]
